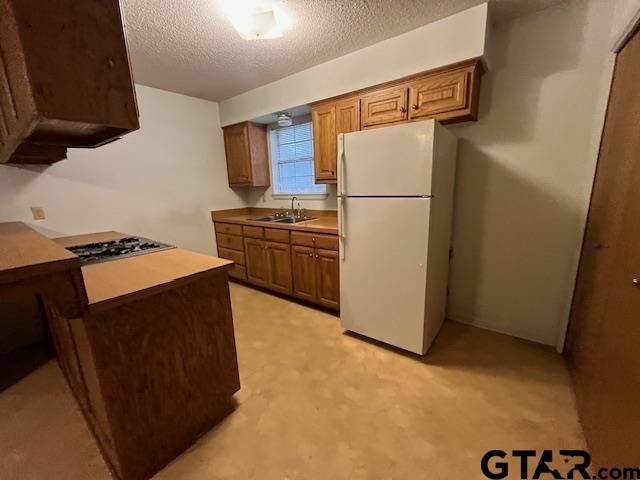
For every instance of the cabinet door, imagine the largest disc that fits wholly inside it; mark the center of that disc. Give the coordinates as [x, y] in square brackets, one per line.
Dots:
[256, 261]
[304, 273]
[328, 278]
[348, 116]
[238, 153]
[279, 267]
[439, 93]
[325, 142]
[384, 106]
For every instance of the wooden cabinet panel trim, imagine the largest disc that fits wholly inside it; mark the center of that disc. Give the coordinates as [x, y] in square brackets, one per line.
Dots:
[276, 235]
[228, 228]
[327, 278]
[325, 142]
[304, 272]
[253, 232]
[441, 93]
[232, 242]
[256, 261]
[329, 242]
[384, 106]
[279, 267]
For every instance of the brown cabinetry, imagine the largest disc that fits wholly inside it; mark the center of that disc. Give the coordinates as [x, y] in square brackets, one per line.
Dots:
[279, 267]
[304, 272]
[329, 120]
[384, 106]
[446, 95]
[449, 94]
[302, 264]
[316, 271]
[64, 78]
[245, 146]
[327, 278]
[325, 143]
[256, 261]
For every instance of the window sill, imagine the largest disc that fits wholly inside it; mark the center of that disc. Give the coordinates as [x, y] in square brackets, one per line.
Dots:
[301, 196]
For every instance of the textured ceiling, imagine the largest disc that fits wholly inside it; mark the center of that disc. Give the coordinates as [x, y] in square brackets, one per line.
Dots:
[189, 47]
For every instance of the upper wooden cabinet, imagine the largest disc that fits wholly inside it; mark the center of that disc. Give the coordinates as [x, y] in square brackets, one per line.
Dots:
[324, 142]
[348, 116]
[449, 94]
[64, 78]
[384, 106]
[328, 121]
[245, 146]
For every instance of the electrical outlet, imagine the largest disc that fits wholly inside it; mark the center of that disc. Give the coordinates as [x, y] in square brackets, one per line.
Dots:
[38, 213]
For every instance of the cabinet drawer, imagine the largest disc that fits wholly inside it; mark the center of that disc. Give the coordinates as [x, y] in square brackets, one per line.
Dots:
[233, 242]
[276, 235]
[253, 232]
[328, 242]
[228, 228]
[234, 255]
[238, 272]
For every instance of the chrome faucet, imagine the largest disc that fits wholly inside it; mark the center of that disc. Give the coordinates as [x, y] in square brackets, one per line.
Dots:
[293, 212]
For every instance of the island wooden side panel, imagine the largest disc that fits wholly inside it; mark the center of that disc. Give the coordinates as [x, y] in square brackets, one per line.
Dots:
[157, 373]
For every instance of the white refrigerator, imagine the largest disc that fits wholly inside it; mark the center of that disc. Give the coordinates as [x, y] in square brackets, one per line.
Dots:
[395, 202]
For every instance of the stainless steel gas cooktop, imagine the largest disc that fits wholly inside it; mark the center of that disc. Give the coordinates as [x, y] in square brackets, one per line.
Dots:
[116, 249]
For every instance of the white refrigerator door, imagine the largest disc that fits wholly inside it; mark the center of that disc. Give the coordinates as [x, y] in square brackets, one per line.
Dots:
[383, 261]
[391, 161]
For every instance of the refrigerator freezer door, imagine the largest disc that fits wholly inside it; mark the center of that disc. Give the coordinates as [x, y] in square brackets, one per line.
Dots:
[383, 268]
[392, 161]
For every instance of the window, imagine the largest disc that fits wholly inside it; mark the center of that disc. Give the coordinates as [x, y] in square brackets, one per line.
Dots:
[292, 160]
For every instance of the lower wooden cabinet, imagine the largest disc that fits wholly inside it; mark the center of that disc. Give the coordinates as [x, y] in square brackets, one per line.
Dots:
[256, 261]
[316, 275]
[327, 278]
[279, 267]
[268, 264]
[304, 272]
[301, 264]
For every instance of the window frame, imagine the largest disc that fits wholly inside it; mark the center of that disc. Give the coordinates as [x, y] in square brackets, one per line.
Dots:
[272, 164]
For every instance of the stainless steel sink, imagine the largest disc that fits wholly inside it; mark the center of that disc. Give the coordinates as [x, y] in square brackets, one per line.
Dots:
[282, 219]
[293, 219]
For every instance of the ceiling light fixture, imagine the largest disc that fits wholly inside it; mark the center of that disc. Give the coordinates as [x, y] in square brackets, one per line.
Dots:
[284, 119]
[256, 19]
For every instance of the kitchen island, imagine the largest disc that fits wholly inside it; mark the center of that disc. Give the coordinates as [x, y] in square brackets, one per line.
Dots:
[149, 351]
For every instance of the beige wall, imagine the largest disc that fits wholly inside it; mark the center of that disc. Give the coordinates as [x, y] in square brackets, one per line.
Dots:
[526, 169]
[160, 182]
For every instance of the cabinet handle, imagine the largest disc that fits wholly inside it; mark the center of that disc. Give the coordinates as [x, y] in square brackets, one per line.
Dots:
[313, 239]
[414, 106]
[635, 282]
[311, 254]
[317, 256]
[402, 109]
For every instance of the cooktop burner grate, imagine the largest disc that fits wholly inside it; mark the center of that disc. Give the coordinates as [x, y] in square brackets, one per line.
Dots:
[116, 249]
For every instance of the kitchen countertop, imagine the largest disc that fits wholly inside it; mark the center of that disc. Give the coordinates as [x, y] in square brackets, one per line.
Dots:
[112, 283]
[26, 253]
[324, 221]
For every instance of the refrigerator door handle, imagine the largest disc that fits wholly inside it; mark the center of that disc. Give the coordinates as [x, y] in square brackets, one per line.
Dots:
[341, 165]
[341, 232]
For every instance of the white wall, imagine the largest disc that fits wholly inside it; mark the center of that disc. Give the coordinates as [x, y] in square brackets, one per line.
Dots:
[161, 181]
[526, 170]
[452, 39]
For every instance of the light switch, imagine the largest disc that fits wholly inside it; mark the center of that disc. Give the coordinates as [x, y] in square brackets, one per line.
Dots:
[38, 213]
